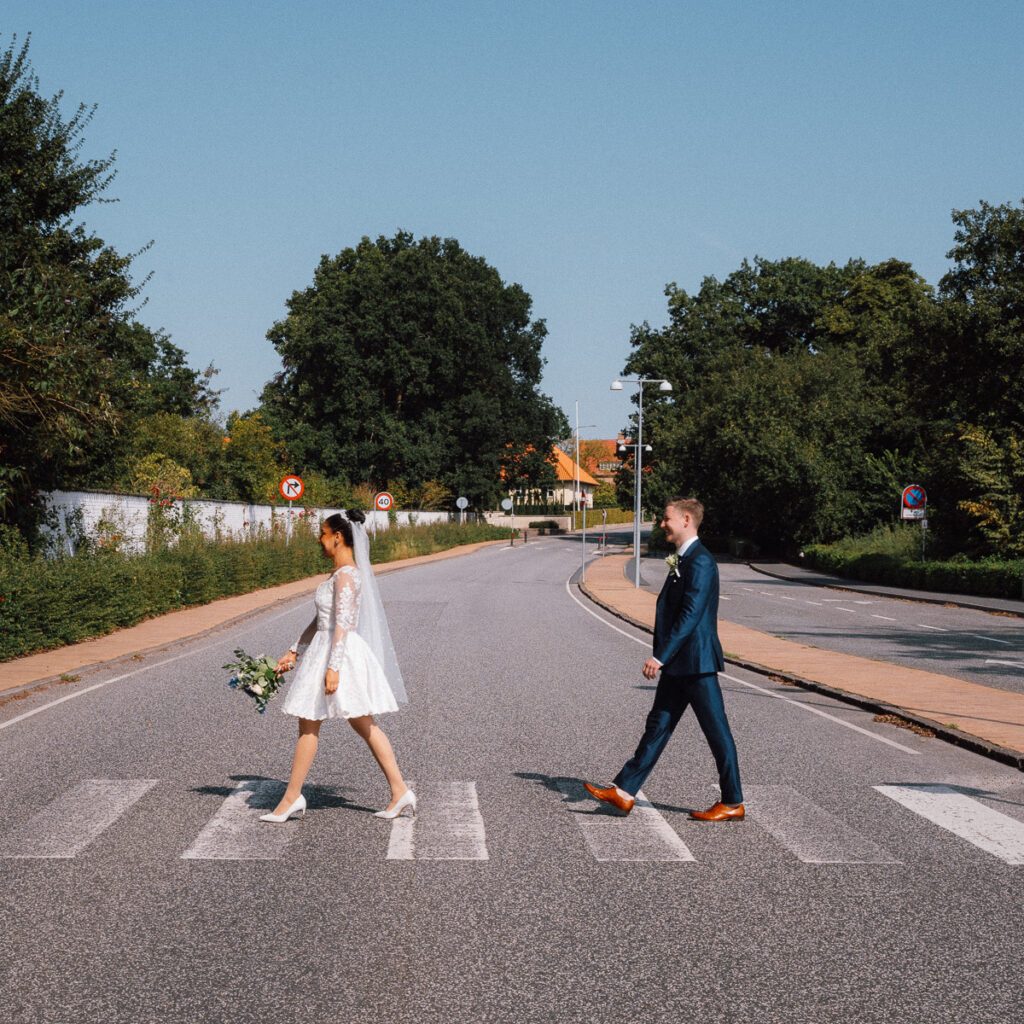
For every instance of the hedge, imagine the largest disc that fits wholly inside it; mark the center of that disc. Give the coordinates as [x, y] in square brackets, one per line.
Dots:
[49, 603]
[616, 516]
[988, 578]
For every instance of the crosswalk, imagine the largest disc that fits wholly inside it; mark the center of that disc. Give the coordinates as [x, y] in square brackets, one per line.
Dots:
[450, 825]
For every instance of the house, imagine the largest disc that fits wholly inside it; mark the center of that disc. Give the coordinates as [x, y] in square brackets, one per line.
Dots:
[562, 493]
[601, 458]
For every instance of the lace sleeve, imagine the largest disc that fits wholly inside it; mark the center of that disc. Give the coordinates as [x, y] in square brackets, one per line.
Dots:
[346, 611]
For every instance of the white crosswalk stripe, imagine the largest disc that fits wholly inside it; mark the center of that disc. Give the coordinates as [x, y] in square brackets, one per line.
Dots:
[70, 823]
[808, 831]
[450, 826]
[643, 835]
[949, 808]
[447, 826]
[235, 832]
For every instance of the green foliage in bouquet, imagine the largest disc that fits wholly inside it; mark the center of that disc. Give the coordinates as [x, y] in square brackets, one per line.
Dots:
[257, 677]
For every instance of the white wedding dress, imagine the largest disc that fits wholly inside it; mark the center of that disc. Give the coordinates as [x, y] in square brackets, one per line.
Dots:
[363, 687]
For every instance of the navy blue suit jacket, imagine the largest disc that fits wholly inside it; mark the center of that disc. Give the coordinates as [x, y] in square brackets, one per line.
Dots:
[686, 625]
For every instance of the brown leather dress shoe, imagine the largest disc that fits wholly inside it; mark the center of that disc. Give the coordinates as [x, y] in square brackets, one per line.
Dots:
[720, 812]
[611, 796]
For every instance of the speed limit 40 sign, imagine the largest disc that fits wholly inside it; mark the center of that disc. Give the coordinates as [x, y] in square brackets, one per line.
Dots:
[383, 501]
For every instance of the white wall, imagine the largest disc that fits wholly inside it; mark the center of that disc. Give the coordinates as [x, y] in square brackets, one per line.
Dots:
[236, 518]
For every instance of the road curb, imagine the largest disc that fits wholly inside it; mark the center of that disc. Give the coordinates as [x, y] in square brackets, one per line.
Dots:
[901, 596]
[994, 751]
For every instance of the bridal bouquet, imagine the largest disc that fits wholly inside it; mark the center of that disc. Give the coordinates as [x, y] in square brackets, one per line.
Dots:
[255, 676]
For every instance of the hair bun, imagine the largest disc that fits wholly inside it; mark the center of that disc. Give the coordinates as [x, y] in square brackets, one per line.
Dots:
[355, 515]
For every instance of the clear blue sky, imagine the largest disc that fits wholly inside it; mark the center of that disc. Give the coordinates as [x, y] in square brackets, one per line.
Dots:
[591, 151]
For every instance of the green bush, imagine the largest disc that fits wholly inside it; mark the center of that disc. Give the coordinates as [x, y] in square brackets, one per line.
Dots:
[47, 603]
[595, 516]
[892, 558]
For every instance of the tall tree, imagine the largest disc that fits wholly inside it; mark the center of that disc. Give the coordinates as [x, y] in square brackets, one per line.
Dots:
[74, 364]
[411, 360]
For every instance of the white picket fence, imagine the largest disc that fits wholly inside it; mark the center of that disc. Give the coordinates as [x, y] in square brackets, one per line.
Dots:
[95, 514]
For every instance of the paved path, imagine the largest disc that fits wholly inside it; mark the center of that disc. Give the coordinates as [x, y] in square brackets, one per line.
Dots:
[953, 707]
[157, 633]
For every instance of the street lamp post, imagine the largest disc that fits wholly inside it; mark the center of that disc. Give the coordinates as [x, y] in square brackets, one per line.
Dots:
[577, 496]
[663, 385]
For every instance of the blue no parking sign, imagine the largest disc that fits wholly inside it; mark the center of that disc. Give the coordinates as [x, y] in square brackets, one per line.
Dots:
[915, 502]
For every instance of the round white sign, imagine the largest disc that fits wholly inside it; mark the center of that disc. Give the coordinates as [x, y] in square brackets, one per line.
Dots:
[506, 504]
[383, 501]
[462, 502]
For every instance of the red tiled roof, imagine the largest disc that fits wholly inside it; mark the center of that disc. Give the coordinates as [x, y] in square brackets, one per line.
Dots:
[565, 469]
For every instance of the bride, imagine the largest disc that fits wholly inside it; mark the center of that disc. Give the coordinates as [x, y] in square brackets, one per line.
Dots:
[346, 666]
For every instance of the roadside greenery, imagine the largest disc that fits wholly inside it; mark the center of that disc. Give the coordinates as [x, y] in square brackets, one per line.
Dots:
[892, 556]
[49, 602]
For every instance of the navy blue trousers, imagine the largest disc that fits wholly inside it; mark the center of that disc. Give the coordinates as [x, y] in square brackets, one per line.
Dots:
[674, 695]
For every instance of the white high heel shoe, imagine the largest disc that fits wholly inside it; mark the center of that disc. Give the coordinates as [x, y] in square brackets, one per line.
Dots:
[297, 808]
[406, 800]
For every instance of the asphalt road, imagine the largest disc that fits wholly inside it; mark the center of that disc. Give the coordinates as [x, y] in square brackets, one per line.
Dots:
[137, 887]
[980, 647]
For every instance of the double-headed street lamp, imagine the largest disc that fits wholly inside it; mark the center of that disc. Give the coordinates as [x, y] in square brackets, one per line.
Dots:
[663, 385]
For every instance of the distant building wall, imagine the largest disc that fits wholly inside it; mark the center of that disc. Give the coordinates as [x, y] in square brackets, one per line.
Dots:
[80, 512]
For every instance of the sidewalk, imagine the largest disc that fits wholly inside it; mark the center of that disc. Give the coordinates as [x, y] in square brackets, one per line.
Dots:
[980, 718]
[798, 574]
[184, 624]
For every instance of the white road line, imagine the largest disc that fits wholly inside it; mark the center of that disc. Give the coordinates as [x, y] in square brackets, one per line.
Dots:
[235, 832]
[863, 602]
[993, 639]
[71, 822]
[824, 714]
[888, 618]
[938, 629]
[145, 668]
[840, 608]
[722, 597]
[643, 835]
[448, 825]
[808, 831]
[989, 830]
[752, 686]
[782, 597]
[817, 604]
[833, 600]
[995, 661]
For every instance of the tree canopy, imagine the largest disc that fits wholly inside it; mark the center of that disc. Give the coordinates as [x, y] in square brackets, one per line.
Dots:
[75, 365]
[806, 396]
[412, 360]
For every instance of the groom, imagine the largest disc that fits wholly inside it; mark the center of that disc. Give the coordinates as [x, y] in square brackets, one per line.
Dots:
[688, 654]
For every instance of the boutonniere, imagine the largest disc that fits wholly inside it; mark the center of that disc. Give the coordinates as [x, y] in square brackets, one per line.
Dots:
[673, 563]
